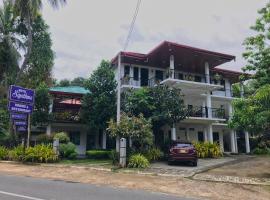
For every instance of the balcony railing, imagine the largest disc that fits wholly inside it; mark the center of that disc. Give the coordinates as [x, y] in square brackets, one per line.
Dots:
[66, 116]
[171, 73]
[197, 111]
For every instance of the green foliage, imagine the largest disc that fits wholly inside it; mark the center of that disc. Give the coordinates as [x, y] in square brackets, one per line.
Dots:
[258, 50]
[68, 150]
[207, 149]
[42, 103]
[138, 161]
[261, 151]
[16, 154]
[62, 136]
[78, 81]
[99, 106]
[138, 128]
[4, 118]
[253, 114]
[114, 157]
[161, 104]
[3, 153]
[153, 154]
[99, 154]
[40, 153]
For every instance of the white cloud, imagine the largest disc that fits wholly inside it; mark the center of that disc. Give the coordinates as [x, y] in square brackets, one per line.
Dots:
[84, 32]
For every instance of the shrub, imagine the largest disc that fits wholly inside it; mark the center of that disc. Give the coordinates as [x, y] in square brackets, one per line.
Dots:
[153, 154]
[3, 153]
[138, 161]
[40, 153]
[261, 151]
[68, 150]
[207, 149]
[99, 154]
[114, 157]
[44, 138]
[16, 154]
[62, 136]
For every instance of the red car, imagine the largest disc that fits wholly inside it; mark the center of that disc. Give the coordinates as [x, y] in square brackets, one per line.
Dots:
[182, 151]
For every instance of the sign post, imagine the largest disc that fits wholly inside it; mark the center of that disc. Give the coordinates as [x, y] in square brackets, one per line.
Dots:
[21, 102]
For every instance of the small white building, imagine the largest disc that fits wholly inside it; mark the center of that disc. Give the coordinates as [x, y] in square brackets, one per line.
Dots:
[207, 89]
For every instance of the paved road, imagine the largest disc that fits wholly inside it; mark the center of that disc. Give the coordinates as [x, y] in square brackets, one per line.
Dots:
[26, 188]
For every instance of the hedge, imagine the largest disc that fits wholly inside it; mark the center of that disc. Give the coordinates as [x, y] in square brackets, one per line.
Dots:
[99, 154]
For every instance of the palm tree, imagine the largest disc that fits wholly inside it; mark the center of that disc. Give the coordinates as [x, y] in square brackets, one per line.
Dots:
[28, 10]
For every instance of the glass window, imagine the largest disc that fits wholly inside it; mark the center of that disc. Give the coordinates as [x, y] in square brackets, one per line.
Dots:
[126, 70]
[75, 137]
[159, 75]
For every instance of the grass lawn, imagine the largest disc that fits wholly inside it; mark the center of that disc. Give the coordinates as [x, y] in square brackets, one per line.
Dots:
[86, 162]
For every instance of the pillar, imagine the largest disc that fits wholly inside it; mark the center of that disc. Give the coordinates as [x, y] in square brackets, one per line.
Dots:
[220, 135]
[203, 109]
[130, 142]
[210, 133]
[230, 110]
[104, 140]
[205, 134]
[232, 137]
[173, 132]
[49, 129]
[207, 74]
[247, 142]
[208, 104]
[171, 67]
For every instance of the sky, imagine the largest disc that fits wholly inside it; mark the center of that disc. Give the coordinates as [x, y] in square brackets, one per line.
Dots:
[86, 31]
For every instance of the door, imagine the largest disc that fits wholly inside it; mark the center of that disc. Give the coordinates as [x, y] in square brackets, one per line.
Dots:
[159, 75]
[144, 76]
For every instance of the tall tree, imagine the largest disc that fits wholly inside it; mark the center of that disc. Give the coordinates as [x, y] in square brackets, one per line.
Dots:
[99, 106]
[28, 11]
[258, 48]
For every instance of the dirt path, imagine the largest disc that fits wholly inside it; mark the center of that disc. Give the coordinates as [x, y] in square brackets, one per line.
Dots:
[177, 186]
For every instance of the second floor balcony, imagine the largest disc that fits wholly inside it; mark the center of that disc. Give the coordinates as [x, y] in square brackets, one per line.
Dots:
[206, 112]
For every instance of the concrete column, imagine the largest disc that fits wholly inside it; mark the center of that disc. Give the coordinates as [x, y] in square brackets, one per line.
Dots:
[209, 104]
[173, 132]
[232, 137]
[220, 135]
[230, 110]
[117, 144]
[210, 133]
[130, 142]
[247, 142]
[49, 129]
[205, 134]
[172, 72]
[207, 74]
[203, 109]
[104, 140]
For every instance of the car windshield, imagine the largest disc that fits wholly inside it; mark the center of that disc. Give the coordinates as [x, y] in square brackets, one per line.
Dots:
[182, 145]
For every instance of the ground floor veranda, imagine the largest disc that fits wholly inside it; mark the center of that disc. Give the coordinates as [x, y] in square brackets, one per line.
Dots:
[229, 140]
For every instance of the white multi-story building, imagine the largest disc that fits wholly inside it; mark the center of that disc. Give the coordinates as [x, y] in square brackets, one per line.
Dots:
[207, 90]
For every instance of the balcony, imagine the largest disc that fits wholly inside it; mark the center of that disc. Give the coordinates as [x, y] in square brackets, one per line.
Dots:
[197, 112]
[66, 116]
[190, 81]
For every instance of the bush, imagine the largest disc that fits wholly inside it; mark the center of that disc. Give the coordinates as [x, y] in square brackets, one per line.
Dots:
[153, 154]
[99, 154]
[63, 137]
[68, 150]
[138, 161]
[40, 153]
[261, 151]
[207, 150]
[16, 154]
[44, 138]
[114, 157]
[3, 153]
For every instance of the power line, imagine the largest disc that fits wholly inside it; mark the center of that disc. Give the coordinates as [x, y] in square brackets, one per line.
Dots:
[132, 24]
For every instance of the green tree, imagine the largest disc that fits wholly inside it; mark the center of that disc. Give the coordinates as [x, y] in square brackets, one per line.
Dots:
[41, 114]
[78, 81]
[63, 83]
[99, 106]
[28, 10]
[258, 49]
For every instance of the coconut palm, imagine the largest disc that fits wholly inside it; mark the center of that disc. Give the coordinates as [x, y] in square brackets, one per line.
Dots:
[28, 10]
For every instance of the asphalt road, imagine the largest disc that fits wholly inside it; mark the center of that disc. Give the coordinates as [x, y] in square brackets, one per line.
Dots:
[26, 188]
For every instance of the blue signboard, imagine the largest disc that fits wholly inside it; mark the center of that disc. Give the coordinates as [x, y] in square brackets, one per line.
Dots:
[18, 116]
[20, 123]
[19, 107]
[17, 93]
[21, 128]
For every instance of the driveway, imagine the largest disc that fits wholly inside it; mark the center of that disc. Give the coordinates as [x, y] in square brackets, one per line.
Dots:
[26, 188]
[186, 170]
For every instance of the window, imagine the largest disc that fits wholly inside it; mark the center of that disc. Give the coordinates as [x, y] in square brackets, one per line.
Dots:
[126, 70]
[136, 73]
[75, 137]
